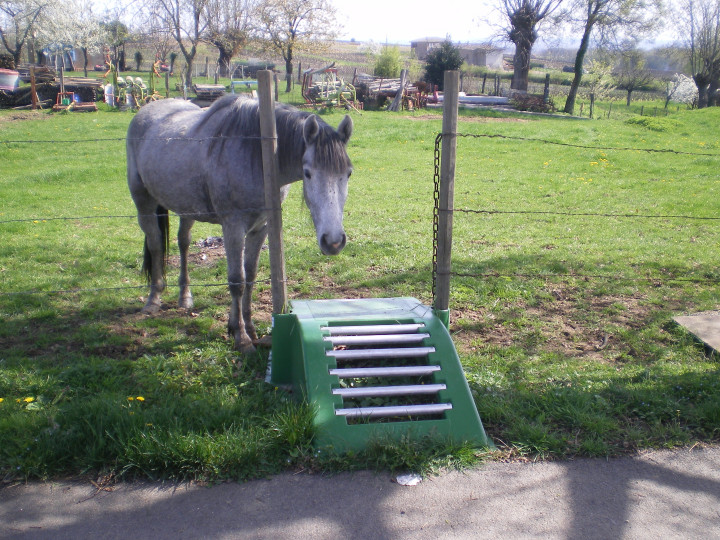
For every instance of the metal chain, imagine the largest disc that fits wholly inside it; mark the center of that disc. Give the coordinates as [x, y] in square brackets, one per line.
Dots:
[436, 211]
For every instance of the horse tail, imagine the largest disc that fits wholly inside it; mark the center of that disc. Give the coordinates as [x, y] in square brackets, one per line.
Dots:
[164, 224]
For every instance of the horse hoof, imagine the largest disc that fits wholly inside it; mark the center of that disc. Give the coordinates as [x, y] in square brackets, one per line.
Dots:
[247, 348]
[186, 303]
[151, 309]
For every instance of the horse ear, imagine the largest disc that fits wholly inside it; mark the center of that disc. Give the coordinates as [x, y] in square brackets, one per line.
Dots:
[345, 128]
[310, 129]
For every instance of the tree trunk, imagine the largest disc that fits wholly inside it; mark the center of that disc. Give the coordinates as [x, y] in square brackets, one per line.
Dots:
[85, 60]
[713, 93]
[629, 96]
[521, 68]
[579, 60]
[288, 73]
[702, 81]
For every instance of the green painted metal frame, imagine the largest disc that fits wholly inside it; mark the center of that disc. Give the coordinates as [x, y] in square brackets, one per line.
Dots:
[299, 360]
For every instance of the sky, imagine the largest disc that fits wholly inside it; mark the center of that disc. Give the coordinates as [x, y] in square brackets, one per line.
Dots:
[400, 21]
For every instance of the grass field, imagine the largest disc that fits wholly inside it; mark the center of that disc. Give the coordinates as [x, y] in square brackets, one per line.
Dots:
[570, 263]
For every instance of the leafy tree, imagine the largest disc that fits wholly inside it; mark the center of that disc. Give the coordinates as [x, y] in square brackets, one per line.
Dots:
[72, 23]
[117, 34]
[17, 21]
[631, 72]
[291, 26]
[524, 17]
[229, 23]
[447, 57]
[608, 21]
[388, 63]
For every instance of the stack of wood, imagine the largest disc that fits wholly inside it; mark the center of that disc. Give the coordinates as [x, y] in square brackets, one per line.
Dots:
[379, 89]
[209, 92]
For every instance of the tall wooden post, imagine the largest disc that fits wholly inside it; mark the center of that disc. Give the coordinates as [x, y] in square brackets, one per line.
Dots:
[447, 187]
[33, 88]
[268, 132]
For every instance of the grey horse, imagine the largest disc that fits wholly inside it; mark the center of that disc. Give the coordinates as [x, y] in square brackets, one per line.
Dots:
[206, 165]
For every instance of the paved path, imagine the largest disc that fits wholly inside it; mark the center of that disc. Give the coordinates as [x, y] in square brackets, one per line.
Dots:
[658, 495]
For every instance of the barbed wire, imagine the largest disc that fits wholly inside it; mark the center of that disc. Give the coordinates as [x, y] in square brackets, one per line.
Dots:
[582, 146]
[584, 214]
[126, 288]
[135, 216]
[125, 139]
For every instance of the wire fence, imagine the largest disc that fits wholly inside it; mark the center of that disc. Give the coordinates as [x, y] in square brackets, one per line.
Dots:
[656, 280]
[477, 211]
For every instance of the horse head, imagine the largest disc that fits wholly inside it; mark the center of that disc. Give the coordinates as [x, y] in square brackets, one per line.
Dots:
[326, 170]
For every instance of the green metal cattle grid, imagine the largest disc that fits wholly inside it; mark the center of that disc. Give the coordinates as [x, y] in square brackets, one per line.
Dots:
[374, 369]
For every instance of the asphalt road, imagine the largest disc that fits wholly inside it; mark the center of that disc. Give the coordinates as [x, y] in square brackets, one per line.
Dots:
[659, 495]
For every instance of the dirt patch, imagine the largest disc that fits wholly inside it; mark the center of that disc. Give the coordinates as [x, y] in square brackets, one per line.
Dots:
[17, 116]
[566, 324]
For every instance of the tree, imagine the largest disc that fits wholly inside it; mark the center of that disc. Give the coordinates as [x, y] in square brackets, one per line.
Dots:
[117, 34]
[701, 25]
[291, 26]
[72, 23]
[186, 20]
[607, 21]
[388, 63]
[17, 22]
[524, 18]
[229, 26]
[681, 89]
[447, 57]
[631, 73]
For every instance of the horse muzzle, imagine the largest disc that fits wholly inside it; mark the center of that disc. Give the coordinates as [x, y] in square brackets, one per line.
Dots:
[332, 244]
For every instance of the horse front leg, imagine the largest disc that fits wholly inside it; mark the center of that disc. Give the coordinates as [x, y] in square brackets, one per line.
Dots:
[234, 239]
[185, 300]
[253, 245]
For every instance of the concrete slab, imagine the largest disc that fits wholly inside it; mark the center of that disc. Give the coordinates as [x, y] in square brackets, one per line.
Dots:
[705, 326]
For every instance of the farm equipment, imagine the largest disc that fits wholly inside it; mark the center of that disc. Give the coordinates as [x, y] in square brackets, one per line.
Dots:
[324, 88]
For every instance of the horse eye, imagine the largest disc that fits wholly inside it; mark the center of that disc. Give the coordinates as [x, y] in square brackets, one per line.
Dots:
[349, 174]
[307, 174]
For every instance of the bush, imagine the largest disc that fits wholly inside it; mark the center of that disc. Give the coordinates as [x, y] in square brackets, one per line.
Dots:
[388, 64]
[447, 57]
[532, 103]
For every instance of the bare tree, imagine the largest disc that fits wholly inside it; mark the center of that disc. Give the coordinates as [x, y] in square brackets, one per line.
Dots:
[701, 25]
[607, 21]
[186, 20]
[524, 18]
[291, 26]
[17, 21]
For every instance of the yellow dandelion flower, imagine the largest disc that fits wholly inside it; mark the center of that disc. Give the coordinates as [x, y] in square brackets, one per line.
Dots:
[29, 399]
[2, 399]
[140, 398]
[130, 398]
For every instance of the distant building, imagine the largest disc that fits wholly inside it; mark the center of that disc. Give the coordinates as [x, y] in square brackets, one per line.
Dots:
[421, 47]
[480, 54]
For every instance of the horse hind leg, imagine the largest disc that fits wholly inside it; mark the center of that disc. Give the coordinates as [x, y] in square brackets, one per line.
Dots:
[154, 222]
[185, 300]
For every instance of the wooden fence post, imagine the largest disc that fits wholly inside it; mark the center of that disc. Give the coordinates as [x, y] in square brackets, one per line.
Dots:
[447, 187]
[268, 132]
[546, 90]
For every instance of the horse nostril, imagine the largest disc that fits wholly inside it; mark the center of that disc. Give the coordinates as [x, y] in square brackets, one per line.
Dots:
[333, 247]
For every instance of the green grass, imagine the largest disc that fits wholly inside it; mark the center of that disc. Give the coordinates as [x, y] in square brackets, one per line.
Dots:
[563, 322]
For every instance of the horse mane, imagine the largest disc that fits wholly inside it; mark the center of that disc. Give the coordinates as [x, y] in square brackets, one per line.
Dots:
[239, 117]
